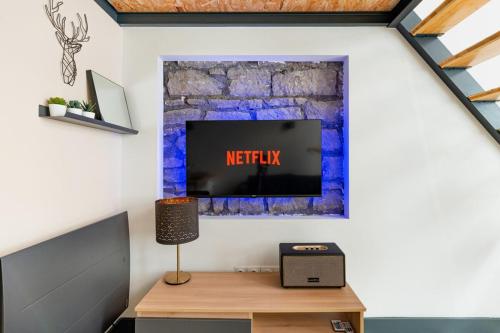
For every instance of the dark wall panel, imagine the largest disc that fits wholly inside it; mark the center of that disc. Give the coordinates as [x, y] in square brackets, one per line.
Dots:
[78, 282]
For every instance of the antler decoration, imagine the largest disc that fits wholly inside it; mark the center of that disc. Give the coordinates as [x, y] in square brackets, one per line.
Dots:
[71, 44]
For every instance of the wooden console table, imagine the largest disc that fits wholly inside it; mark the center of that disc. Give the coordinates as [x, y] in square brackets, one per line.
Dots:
[255, 296]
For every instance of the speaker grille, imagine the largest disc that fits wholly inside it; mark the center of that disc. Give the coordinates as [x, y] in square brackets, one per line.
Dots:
[313, 271]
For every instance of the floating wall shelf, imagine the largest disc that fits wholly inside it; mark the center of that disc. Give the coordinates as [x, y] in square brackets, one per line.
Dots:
[43, 111]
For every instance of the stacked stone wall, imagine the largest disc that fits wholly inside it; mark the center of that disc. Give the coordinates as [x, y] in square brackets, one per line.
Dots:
[256, 91]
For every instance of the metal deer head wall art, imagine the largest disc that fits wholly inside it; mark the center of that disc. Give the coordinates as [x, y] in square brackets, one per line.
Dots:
[71, 42]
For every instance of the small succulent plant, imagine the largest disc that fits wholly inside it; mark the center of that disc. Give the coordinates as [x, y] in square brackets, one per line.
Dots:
[56, 100]
[87, 107]
[74, 104]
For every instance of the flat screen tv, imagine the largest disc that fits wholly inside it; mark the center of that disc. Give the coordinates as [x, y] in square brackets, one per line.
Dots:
[278, 158]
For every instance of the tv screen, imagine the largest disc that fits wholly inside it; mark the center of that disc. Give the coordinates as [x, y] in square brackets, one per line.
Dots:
[253, 158]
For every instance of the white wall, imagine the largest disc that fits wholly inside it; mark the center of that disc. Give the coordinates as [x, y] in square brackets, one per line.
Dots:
[422, 239]
[54, 177]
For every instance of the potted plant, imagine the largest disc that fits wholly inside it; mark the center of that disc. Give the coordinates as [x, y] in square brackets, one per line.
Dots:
[57, 106]
[88, 109]
[75, 107]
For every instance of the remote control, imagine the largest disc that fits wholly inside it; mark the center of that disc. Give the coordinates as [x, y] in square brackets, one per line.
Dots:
[338, 326]
[347, 327]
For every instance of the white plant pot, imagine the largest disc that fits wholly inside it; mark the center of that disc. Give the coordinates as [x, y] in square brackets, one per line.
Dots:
[57, 110]
[76, 111]
[89, 114]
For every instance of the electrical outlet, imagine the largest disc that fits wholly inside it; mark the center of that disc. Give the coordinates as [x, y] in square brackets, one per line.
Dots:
[240, 269]
[256, 269]
[269, 269]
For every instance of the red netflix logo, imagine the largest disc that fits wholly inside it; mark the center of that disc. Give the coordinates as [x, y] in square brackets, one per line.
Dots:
[240, 157]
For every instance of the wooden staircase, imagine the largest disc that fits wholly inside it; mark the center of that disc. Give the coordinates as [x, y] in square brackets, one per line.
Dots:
[476, 54]
[492, 95]
[452, 68]
[446, 16]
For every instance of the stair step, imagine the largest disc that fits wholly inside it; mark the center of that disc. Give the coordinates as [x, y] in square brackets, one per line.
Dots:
[446, 16]
[491, 95]
[476, 54]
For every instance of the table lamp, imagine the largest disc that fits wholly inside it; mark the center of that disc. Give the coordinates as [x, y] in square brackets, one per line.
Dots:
[176, 223]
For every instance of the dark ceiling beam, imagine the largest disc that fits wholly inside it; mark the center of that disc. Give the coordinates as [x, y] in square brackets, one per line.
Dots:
[110, 10]
[390, 19]
[255, 19]
[248, 19]
[402, 9]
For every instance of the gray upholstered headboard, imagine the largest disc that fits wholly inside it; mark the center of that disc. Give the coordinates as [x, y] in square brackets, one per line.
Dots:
[75, 283]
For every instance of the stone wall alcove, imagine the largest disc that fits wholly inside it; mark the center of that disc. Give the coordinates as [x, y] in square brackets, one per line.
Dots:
[258, 90]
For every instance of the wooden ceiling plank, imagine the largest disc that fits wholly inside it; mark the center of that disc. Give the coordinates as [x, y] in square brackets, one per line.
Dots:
[476, 54]
[446, 16]
[294, 6]
[172, 6]
[144, 5]
[491, 95]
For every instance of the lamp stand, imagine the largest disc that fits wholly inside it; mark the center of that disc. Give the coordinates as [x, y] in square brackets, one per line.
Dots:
[176, 278]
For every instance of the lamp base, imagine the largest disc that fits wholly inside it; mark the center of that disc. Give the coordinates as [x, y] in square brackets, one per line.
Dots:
[171, 278]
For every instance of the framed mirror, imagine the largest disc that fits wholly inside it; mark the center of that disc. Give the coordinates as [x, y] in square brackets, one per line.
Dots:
[109, 98]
